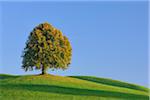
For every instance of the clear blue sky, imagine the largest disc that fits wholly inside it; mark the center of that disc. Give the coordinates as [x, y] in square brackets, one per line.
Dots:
[109, 39]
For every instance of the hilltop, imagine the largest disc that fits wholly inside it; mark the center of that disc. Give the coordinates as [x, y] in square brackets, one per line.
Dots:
[52, 87]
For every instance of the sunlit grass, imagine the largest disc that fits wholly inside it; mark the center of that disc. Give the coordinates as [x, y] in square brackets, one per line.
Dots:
[43, 87]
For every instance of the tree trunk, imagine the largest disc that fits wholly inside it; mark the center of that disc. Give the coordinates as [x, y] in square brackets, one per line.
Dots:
[43, 70]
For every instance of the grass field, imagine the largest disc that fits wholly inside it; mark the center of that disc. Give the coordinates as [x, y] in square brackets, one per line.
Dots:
[51, 87]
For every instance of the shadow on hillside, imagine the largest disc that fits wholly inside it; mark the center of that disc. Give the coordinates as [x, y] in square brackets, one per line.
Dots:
[7, 76]
[112, 83]
[71, 91]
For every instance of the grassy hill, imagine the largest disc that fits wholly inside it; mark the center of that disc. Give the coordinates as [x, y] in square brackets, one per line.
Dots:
[51, 87]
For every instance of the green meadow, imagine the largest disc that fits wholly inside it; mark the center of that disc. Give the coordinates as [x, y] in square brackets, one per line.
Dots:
[52, 87]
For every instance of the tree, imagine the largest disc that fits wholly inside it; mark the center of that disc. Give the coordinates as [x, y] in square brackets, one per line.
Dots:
[46, 48]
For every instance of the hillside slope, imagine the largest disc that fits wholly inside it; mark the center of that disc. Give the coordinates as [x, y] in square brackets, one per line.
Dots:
[51, 87]
[112, 82]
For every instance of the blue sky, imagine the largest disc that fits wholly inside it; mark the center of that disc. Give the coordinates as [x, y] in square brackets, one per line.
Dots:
[109, 39]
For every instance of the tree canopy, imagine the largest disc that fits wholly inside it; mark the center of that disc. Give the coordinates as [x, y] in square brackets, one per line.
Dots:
[46, 48]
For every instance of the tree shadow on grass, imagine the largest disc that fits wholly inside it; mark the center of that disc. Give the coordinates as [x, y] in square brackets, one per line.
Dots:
[73, 91]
